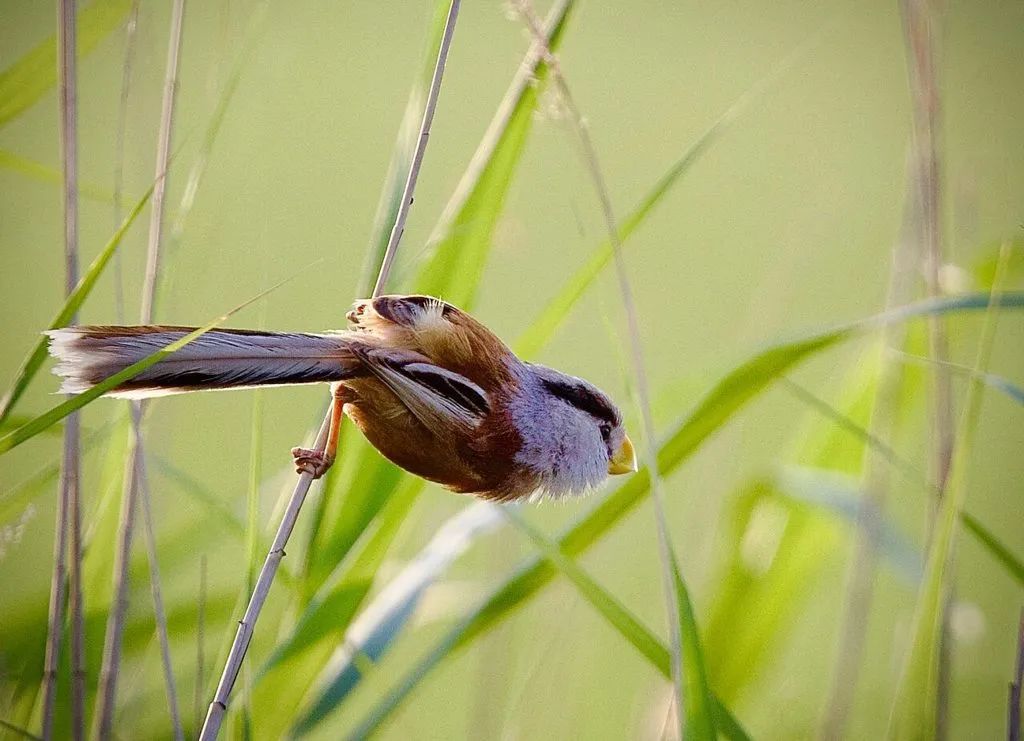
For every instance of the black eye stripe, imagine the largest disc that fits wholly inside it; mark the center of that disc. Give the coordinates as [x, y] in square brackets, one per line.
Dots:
[584, 399]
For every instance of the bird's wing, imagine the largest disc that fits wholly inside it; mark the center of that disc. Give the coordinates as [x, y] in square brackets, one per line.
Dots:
[437, 397]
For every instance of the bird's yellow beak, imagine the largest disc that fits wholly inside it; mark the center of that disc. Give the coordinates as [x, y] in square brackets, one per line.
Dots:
[624, 459]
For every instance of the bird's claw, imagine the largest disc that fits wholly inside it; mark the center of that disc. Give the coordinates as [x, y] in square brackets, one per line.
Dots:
[313, 462]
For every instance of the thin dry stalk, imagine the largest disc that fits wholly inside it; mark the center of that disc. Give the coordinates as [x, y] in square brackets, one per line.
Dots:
[592, 162]
[218, 706]
[1013, 728]
[160, 615]
[136, 485]
[163, 152]
[68, 536]
[421, 147]
[920, 27]
[197, 707]
[920, 23]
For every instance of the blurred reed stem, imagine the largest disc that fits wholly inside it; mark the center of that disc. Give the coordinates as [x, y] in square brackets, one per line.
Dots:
[197, 700]
[921, 35]
[246, 626]
[68, 536]
[136, 484]
[1013, 719]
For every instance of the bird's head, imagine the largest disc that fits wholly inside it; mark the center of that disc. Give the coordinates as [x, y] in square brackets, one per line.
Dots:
[573, 434]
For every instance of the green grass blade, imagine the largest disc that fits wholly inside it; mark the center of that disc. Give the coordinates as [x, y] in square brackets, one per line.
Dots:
[697, 698]
[728, 396]
[999, 383]
[47, 419]
[14, 501]
[462, 239]
[401, 155]
[914, 708]
[35, 359]
[841, 496]
[32, 76]
[385, 617]
[44, 174]
[999, 551]
[699, 702]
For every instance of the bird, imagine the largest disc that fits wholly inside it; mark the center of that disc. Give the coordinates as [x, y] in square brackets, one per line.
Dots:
[431, 388]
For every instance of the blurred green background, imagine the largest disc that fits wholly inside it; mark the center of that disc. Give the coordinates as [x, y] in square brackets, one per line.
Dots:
[787, 223]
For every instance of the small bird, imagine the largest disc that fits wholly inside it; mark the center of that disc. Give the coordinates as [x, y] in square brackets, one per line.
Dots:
[434, 390]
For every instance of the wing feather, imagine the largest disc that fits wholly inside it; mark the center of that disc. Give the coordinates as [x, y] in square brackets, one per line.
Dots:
[438, 397]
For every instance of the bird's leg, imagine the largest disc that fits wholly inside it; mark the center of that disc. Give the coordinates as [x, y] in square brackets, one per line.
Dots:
[315, 462]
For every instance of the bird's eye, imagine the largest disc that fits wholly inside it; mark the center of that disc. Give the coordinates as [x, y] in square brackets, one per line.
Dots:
[606, 430]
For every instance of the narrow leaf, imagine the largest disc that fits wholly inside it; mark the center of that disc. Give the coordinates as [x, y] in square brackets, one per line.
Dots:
[998, 550]
[45, 174]
[32, 76]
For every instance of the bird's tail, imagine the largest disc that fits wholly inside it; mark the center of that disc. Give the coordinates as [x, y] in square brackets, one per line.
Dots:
[219, 359]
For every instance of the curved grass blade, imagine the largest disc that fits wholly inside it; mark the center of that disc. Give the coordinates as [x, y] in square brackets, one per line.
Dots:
[59, 412]
[35, 359]
[728, 396]
[14, 501]
[32, 76]
[371, 634]
[42, 173]
[462, 238]
[1013, 564]
[697, 698]
[842, 495]
[999, 383]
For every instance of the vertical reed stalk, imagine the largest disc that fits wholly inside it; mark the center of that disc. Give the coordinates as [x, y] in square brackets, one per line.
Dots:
[246, 626]
[1013, 721]
[135, 482]
[68, 536]
[920, 27]
[197, 707]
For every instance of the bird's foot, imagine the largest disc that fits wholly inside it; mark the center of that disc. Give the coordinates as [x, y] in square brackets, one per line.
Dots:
[313, 462]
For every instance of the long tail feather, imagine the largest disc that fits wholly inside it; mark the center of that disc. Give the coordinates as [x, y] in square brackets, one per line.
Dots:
[219, 359]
